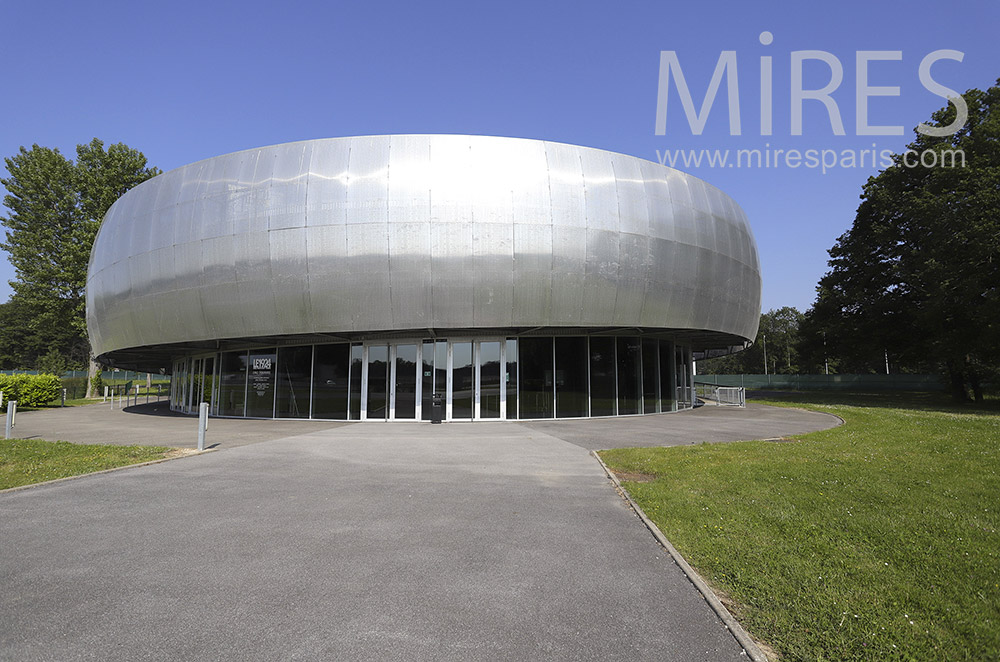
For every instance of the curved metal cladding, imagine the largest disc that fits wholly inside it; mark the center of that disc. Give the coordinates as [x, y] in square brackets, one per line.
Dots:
[384, 233]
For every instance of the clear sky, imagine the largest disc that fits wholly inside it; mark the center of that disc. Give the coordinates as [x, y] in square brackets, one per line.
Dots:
[182, 81]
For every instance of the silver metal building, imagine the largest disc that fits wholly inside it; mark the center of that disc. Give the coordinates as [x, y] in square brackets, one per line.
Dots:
[354, 277]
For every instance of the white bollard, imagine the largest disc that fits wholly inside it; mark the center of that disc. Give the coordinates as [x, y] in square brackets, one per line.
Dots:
[11, 412]
[202, 425]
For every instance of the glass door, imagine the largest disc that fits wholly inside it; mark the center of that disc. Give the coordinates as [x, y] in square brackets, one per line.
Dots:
[462, 381]
[195, 389]
[489, 380]
[377, 383]
[208, 383]
[404, 382]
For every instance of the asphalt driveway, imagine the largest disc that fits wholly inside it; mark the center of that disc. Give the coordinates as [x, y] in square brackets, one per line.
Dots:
[363, 542]
[392, 541]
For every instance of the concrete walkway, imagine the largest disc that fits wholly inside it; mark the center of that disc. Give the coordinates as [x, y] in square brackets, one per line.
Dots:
[395, 541]
[155, 424]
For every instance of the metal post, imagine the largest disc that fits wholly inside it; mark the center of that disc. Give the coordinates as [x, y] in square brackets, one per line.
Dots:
[11, 412]
[887, 361]
[64, 398]
[202, 425]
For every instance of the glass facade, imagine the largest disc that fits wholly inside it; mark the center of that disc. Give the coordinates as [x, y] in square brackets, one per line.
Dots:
[528, 377]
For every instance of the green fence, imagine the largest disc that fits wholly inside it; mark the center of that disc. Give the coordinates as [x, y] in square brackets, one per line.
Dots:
[828, 382]
[75, 381]
[117, 376]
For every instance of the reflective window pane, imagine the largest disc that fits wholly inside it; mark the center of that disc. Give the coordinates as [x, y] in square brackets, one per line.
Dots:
[535, 367]
[462, 375]
[406, 381]
[233, 387]
[357, 363]
[331, 373]
[427, 381]
[511, 378]
[650, 377]
[603, 391]
[210, 392]
[378, 381]
[571, 377]
[260, 384]
[294, 371]
[489, 380]
[629, 376]
[666, 376]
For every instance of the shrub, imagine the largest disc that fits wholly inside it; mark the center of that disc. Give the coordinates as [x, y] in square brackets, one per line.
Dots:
[30, 390]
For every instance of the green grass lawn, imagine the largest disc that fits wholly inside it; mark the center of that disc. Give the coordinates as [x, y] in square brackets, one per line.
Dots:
[26, 461]
[876, 540]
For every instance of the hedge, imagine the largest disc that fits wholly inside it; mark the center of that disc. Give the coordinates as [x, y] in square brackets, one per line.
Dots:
[30, 390]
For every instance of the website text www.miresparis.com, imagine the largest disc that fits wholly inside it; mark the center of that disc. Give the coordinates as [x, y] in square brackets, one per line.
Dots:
[671, 77]
[823, 160]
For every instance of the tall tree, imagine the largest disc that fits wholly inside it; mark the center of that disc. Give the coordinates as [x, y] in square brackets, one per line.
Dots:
[917, 275]
[777, 335]
[55, 209]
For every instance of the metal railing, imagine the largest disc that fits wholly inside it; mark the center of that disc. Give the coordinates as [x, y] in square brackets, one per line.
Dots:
[723, 396]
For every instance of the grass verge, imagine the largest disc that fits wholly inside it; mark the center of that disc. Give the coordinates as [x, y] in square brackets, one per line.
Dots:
[876, 540]
[27, 461]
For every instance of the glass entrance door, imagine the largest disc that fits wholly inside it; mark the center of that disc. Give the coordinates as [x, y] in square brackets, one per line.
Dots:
[377, 387]
[404, 382]
[462, 381]
[489, 380]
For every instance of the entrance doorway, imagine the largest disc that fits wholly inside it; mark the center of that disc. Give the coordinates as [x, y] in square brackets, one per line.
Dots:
[399, 380]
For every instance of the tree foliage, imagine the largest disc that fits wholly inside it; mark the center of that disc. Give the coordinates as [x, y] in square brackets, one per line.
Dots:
[917, 275]
[55, 207]
[777, 335]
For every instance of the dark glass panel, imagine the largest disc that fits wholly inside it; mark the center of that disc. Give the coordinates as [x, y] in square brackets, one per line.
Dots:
[378, 381]
[603, 393]
[629, 376]
[489, 380]
[233, 387]
[209, 393]
[511, 378]
[535, 367]
[331, 374]
[427, 381]
[650, 377]
[260, 385]
[294, 368]
[441, 370]
[462, 381]
[194, 393]
[571, 377]
[406, 382]
[667, 391]
[357, 363]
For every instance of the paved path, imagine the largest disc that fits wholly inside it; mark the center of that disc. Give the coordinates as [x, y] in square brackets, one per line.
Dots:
[708, 423]
[365, 542]
[395, 541]
[155, 424]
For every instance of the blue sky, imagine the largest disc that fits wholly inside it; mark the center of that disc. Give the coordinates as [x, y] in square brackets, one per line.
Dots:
[183, 81]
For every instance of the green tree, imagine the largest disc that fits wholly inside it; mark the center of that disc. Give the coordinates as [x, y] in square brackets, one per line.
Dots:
[55, 209]
[917, 275]
[778, 334]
